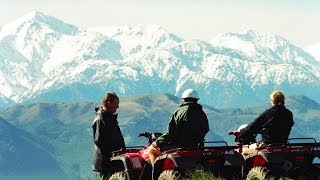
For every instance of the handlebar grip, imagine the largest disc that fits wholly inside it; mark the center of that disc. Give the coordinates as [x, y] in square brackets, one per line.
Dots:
[145, 134]
[236, 133]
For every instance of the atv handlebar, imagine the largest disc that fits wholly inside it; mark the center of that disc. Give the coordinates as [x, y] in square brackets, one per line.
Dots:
[145, 134]
[243, 139]
[216, 142]
[236, 133]
[313, 140]
[151, 136]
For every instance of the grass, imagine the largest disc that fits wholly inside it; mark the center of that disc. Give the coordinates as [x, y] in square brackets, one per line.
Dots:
[201, 175]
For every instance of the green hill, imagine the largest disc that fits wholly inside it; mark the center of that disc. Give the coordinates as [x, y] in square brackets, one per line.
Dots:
[63, 130]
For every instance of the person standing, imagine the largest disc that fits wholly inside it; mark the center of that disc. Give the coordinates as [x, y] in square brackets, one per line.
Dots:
[187, 127]
[107, 135]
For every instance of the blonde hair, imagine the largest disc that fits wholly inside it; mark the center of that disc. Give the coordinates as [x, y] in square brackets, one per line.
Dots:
[277, 98]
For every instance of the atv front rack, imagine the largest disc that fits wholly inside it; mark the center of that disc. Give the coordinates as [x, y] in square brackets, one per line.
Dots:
[312, 148]
[128, 149]
[204, 149]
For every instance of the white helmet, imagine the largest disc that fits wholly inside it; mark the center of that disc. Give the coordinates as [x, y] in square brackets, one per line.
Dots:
[242, 127]
[190, 93]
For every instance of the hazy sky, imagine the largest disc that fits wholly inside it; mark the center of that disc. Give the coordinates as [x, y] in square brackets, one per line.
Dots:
[296, 20]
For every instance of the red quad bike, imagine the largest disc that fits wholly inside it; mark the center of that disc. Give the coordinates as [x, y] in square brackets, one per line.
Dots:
[293, 159]
[133, 162]
[221, 160]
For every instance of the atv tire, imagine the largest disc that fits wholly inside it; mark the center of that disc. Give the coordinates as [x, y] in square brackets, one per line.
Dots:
[121, 175]
[169, 175]
[258, 173]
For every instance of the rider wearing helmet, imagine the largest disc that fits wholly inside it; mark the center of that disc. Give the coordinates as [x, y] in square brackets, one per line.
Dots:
[187, 127]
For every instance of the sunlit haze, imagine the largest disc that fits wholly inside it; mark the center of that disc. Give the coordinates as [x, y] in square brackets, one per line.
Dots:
[191, 19]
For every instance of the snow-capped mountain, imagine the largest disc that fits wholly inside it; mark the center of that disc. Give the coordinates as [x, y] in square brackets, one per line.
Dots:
[264, 47]
[46, 59]
[140, 38]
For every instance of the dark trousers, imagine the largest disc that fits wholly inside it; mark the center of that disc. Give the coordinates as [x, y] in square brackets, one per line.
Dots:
[104, 175]
[106, 170]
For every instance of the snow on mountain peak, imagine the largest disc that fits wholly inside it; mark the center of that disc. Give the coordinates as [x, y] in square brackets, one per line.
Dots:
[49, 21]
[43, 58]
[140, 38]
[264, 47]
[34, 16]
[25, 44]
[35, 33]
[249, 41]
[37, 21]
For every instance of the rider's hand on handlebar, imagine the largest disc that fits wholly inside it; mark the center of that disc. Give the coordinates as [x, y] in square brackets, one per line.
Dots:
[145, 134]
[236, 133]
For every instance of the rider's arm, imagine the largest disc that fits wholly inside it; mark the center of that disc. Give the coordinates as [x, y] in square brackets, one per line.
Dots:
[204, 124]
[256, 126]
[169, 136]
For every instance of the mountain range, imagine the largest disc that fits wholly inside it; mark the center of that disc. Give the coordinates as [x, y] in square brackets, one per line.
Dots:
[53, 74]
[44, 59]
[56, 138]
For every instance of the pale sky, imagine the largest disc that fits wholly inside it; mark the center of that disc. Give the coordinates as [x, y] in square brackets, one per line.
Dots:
[296, 20]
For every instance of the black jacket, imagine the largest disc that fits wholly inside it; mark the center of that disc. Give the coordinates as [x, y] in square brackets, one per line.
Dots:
[274, 125]
[187, 127]
[107, 138]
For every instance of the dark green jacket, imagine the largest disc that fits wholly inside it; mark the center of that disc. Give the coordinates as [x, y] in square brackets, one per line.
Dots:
[107, 138]
[187, 127]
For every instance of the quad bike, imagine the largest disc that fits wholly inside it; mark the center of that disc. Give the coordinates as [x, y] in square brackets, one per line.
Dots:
[221, 160]
[133, 162]
[293, 159]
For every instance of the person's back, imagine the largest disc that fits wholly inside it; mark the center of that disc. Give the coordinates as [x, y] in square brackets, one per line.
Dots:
[187, 127]
[274, 124]
[278, 127]
[192, 124]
